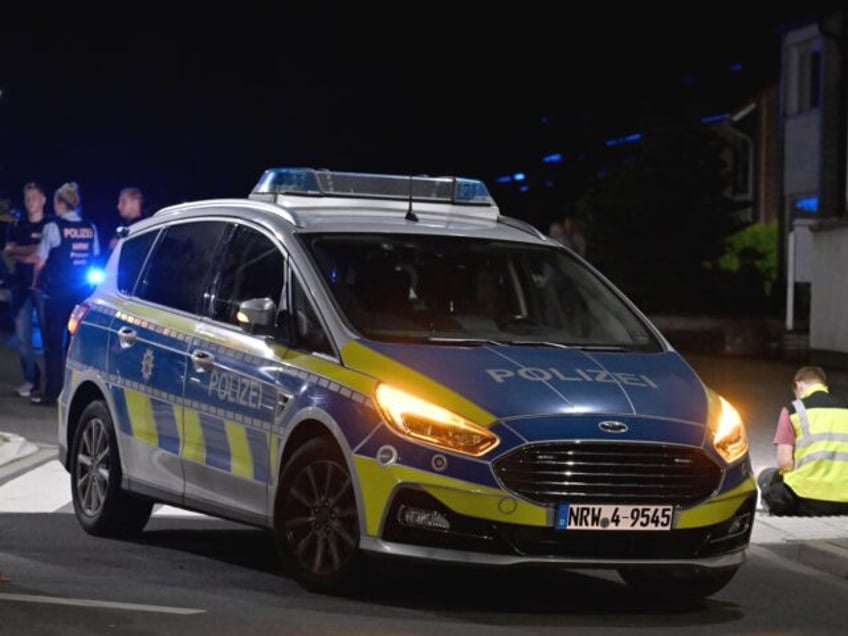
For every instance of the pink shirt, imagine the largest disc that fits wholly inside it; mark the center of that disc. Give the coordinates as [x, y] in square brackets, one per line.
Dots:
[784, 434]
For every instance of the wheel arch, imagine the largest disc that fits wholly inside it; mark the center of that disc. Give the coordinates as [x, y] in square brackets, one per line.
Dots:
[315, 423]
[86, 393]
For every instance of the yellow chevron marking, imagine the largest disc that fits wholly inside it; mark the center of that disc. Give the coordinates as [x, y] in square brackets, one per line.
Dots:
[716, 510]
[140, 410]
[275, 457]
[241, 459]
[193, 444]
[378, 482]
[402, 377]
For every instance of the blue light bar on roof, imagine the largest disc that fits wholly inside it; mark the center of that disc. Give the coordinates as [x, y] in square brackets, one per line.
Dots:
[306, 181]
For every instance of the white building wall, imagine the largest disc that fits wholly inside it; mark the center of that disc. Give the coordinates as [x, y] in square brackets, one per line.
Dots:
[802, 158]
[829, 290]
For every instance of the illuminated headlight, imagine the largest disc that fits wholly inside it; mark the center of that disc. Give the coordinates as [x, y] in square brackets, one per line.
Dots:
[729, 437]
[432, 424]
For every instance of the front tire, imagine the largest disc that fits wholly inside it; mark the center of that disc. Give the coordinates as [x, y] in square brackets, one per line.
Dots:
[317, 524]
[101, 506]
[685, 584]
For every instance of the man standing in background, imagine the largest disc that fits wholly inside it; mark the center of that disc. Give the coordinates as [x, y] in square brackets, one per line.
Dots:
[22, 240]
[131, 209]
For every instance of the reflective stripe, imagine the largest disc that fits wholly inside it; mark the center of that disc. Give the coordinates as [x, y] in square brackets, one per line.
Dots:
[241, 462]
[835, 456]
[140, 413]
[820, 458]
[194, 446]
[803, 418]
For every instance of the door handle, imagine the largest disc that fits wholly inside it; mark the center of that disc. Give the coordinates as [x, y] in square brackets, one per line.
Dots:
[202, 360]
[127, 337]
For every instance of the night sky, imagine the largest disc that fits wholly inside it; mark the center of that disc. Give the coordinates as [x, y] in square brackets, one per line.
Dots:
[191, 104]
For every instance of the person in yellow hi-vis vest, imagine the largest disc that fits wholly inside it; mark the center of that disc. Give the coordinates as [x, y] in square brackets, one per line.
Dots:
[811, 477]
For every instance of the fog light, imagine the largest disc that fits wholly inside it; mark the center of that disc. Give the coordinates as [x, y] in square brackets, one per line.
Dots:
[738, 525]
[421, 518]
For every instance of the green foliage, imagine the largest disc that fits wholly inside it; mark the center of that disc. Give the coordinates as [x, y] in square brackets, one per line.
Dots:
[654, 220]
[756, 247]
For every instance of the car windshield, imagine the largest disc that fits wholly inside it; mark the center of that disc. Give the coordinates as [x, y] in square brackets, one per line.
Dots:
[428, 288]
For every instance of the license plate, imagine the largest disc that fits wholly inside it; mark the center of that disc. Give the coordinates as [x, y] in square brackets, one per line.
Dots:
[613, 517]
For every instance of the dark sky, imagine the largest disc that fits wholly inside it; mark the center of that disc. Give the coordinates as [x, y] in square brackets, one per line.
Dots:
[194, 103]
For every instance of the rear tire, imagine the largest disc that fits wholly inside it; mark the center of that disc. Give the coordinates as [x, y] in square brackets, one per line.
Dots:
[681, 584]
[101, 506]
[317, 524]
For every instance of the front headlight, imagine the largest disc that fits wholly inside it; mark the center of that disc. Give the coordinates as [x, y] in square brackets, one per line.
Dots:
[426, 422]
[729, 437]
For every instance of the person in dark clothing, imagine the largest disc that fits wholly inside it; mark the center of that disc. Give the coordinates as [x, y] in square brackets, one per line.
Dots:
[22, 240]
[131, 210]
[68, 247]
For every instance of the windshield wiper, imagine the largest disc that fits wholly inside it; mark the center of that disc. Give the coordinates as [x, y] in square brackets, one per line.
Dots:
[474, 342]
[562, 345]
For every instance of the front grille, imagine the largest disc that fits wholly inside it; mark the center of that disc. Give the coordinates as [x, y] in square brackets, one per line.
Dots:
[593, 472]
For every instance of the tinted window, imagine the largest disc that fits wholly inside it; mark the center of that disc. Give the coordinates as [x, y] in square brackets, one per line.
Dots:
[180, 264]
[309, 334]
[133, 254]
[420, 288]
[251, 266]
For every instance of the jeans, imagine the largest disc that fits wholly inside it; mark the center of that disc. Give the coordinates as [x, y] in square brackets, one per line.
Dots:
[28, 303]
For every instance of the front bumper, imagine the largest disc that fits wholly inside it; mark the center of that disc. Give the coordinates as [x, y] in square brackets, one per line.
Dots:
[487, 542]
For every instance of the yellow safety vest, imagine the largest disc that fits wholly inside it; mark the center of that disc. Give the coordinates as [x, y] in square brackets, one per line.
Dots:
[821, 446]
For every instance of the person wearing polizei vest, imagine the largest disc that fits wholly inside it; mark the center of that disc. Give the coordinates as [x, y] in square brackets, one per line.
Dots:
[69, 246]
[811, 477]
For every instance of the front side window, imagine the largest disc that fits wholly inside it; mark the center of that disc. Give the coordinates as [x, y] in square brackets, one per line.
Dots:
[132, 258]
[437, 288]
[179, 266]
[308, 332]
[251, 266]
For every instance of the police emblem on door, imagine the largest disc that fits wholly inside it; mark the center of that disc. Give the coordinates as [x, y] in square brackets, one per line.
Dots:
[147, 365]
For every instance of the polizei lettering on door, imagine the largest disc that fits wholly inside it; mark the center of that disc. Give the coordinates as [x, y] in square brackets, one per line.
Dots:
[235, 388]
[552, 374]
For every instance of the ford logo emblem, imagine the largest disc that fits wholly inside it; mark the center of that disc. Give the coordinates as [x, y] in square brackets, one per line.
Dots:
[611, 426]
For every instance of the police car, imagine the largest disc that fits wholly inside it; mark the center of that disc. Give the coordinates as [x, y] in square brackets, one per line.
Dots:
[369, 365]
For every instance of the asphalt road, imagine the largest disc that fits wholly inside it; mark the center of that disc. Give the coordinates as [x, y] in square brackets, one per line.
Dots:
[204, 577]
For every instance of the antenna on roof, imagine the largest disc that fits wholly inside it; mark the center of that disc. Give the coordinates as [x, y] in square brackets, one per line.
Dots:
[410, 215]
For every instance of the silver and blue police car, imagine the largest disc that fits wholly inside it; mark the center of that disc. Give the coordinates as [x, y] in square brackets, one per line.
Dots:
[376, 365]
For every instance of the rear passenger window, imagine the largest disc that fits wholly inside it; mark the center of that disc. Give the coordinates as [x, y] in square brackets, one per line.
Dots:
[251, 266]
[133, 254]
[179, 266]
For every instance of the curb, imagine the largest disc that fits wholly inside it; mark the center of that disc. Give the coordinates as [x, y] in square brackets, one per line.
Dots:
[14, 447]
[825, 556]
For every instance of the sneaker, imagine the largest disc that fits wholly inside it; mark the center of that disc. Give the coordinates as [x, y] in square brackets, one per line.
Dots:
[40, 400]
[25, 390]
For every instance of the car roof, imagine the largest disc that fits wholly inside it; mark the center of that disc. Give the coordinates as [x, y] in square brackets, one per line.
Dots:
[318, 200]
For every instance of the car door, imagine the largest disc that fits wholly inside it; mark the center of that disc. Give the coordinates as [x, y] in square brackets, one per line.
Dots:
[231, 394]
[149, 342]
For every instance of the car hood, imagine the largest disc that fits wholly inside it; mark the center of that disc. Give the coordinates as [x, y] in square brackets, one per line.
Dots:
[531, 381]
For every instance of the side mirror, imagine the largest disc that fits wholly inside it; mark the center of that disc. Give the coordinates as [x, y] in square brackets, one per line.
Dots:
[257, 315]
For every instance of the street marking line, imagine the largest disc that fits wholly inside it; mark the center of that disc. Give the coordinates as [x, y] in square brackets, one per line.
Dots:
[47, 489]
[82, 602]
[43, 489]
